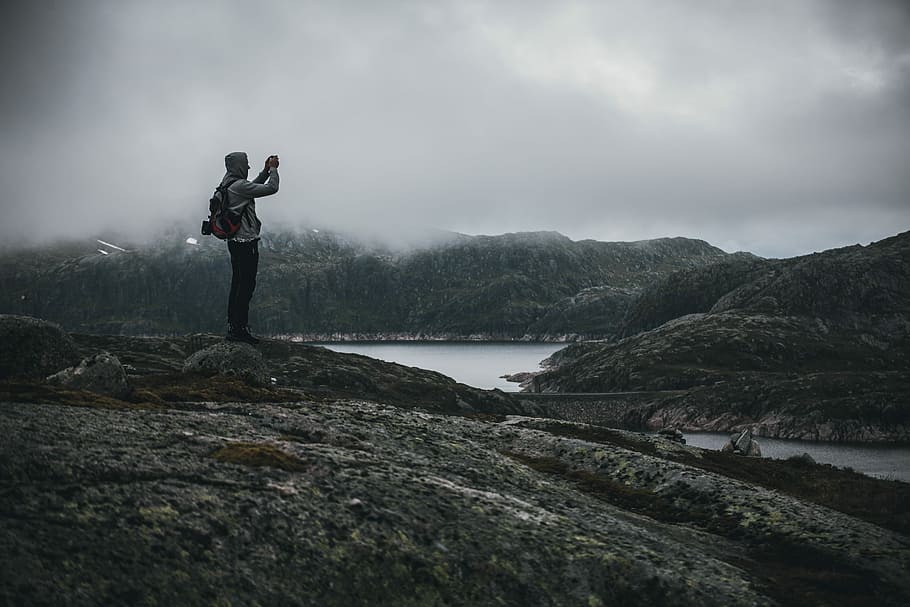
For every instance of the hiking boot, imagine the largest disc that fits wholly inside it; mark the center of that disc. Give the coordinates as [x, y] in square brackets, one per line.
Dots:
[241, 334]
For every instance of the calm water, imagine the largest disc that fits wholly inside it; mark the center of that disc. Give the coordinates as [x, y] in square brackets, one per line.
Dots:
[480, 364]
[477, 364]
[883, 461]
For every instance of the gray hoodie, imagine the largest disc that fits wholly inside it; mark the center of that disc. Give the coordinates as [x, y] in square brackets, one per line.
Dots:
[242, 193]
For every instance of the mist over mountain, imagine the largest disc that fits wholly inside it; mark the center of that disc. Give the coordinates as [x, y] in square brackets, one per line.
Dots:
[540, 285]
[778, 128]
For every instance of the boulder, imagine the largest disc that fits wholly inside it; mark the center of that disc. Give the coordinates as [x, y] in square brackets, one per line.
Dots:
[673, 434]
[742, 443]
[805, 459]
[101, 373]
[33, 348]
[230, 359]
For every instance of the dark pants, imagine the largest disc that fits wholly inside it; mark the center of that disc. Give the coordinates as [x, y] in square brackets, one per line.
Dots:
[244, 264]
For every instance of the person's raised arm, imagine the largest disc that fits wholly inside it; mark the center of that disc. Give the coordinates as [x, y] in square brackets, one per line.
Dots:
[264, 173]
[251, 189]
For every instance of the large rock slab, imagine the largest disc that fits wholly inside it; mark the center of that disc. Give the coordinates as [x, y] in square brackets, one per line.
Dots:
[33, 348]
[101, 373]
[230, 359]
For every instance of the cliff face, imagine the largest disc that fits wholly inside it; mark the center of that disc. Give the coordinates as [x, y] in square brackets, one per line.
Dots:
[812, 347]
[499, 286]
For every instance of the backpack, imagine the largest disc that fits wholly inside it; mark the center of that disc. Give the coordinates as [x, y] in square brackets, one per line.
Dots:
[222, 222]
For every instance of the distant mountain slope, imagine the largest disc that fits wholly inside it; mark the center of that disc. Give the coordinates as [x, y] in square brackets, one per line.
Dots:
[814, 347]
[509, 286]
[690, 291]
[850, 286]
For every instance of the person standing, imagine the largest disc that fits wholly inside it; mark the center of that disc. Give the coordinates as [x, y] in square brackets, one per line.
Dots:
[244, 245]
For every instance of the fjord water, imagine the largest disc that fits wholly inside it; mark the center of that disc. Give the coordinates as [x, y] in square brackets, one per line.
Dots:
[478, 364]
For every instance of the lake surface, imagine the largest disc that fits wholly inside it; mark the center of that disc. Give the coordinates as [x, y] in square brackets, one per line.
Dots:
[882, 461]
[477, 364]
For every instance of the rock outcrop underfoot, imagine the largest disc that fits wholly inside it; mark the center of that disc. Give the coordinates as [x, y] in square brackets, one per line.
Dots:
[202, 490]
[356, 503]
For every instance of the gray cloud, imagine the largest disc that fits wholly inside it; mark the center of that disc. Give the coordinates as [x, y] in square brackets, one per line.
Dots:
[779, 128]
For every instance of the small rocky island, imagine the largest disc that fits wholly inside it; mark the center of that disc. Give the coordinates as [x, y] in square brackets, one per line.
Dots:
[185, 471]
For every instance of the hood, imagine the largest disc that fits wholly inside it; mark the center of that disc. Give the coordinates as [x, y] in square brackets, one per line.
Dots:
[237, 165]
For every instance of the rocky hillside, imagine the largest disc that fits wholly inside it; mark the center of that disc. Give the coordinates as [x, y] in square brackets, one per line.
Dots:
[690, 291]
[350, 481]
[813, 347]
[851, 287]
[538, 284]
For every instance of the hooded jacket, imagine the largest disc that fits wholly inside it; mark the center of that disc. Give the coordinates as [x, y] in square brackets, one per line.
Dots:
[242, 193]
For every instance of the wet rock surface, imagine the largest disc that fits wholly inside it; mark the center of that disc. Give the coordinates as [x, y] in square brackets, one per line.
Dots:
[33, 348]
[201, 491]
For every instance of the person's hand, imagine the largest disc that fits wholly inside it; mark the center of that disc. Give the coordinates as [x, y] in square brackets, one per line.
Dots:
[272, 162]
[266, 166]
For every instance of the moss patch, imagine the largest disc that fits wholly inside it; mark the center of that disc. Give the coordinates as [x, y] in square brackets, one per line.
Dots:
[179, 387]
[45, 394]
[259, 455]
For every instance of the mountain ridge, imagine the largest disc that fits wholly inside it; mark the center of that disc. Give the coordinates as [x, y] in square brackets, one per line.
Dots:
[316, 282]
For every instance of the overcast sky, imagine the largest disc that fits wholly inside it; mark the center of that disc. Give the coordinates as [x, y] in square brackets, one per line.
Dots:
[777, 127]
